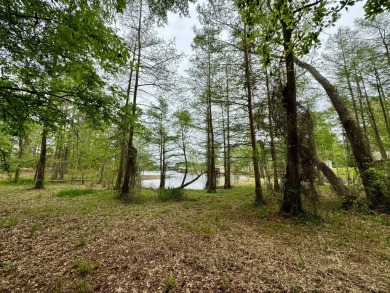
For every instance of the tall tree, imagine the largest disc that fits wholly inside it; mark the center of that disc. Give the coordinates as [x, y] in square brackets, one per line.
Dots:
[206, 48]
[282, 23]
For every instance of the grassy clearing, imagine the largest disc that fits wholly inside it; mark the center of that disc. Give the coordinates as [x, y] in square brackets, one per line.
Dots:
[90, 241]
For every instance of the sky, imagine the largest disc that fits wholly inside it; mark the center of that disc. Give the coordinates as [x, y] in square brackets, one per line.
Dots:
[181, 28]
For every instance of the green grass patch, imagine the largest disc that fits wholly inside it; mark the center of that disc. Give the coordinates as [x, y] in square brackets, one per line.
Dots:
[17, 183]
[9, 222]
[9, 266]
[75, 192]
[82, 267]
[171, 194]
[83, 286]
[170, 283]
[385, 255]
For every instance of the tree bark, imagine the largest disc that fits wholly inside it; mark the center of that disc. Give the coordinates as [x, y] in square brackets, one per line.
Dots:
[335, 181]
[292, 203]
[373, 181]
[226, 137]
[39, 184]
[163, 166]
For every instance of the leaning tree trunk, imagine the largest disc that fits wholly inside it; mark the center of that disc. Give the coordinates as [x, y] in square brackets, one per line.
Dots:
[373, 180]
[292, 203]
[335, 181]
[42, 162]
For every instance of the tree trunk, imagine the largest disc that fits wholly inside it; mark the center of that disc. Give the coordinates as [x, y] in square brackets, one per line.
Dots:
[122, 157]
[20, 156]
[272, 135]
[64, 163]
[211, 184]
[378, 137]
[185, 157]
[349, 84]
[57, 157]
[163, 167]
[292, 203]
[336, 182]
[360, 95]
[226, 138]
[182, 186]
[130, 173]
[259, 199]
[373, 180]
[39, 184]
[381, 96]
[118, 182]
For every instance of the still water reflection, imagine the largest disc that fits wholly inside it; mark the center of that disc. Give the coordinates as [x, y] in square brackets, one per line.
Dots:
[174, 180]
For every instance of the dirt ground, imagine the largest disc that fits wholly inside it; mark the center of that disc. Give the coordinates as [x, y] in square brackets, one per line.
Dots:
[205, 243]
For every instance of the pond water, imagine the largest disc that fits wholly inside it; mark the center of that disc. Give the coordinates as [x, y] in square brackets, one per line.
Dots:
[174, 180]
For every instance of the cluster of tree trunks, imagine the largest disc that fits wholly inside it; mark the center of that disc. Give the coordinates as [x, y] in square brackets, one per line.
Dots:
[373, 180]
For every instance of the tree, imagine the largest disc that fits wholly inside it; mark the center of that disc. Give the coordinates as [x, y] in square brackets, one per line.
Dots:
[246, 45]
[183, 123]
[151, 70]
[374, 181]
[205, 61]
[375, 7]
[160, 136]
[281, 23]
[52, 53]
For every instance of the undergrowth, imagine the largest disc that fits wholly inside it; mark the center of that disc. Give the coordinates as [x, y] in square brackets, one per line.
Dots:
[75, 192]
[171, 194]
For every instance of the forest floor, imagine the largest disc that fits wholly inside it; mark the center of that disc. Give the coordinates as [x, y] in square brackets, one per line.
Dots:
[68, 242]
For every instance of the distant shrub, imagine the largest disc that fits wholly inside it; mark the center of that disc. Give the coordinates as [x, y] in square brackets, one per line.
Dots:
[75, 192]
[171, 194]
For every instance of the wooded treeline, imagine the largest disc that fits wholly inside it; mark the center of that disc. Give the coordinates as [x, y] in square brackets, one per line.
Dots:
[90, 91]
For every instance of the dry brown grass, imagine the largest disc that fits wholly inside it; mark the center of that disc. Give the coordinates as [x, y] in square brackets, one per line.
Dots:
[206, 243]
